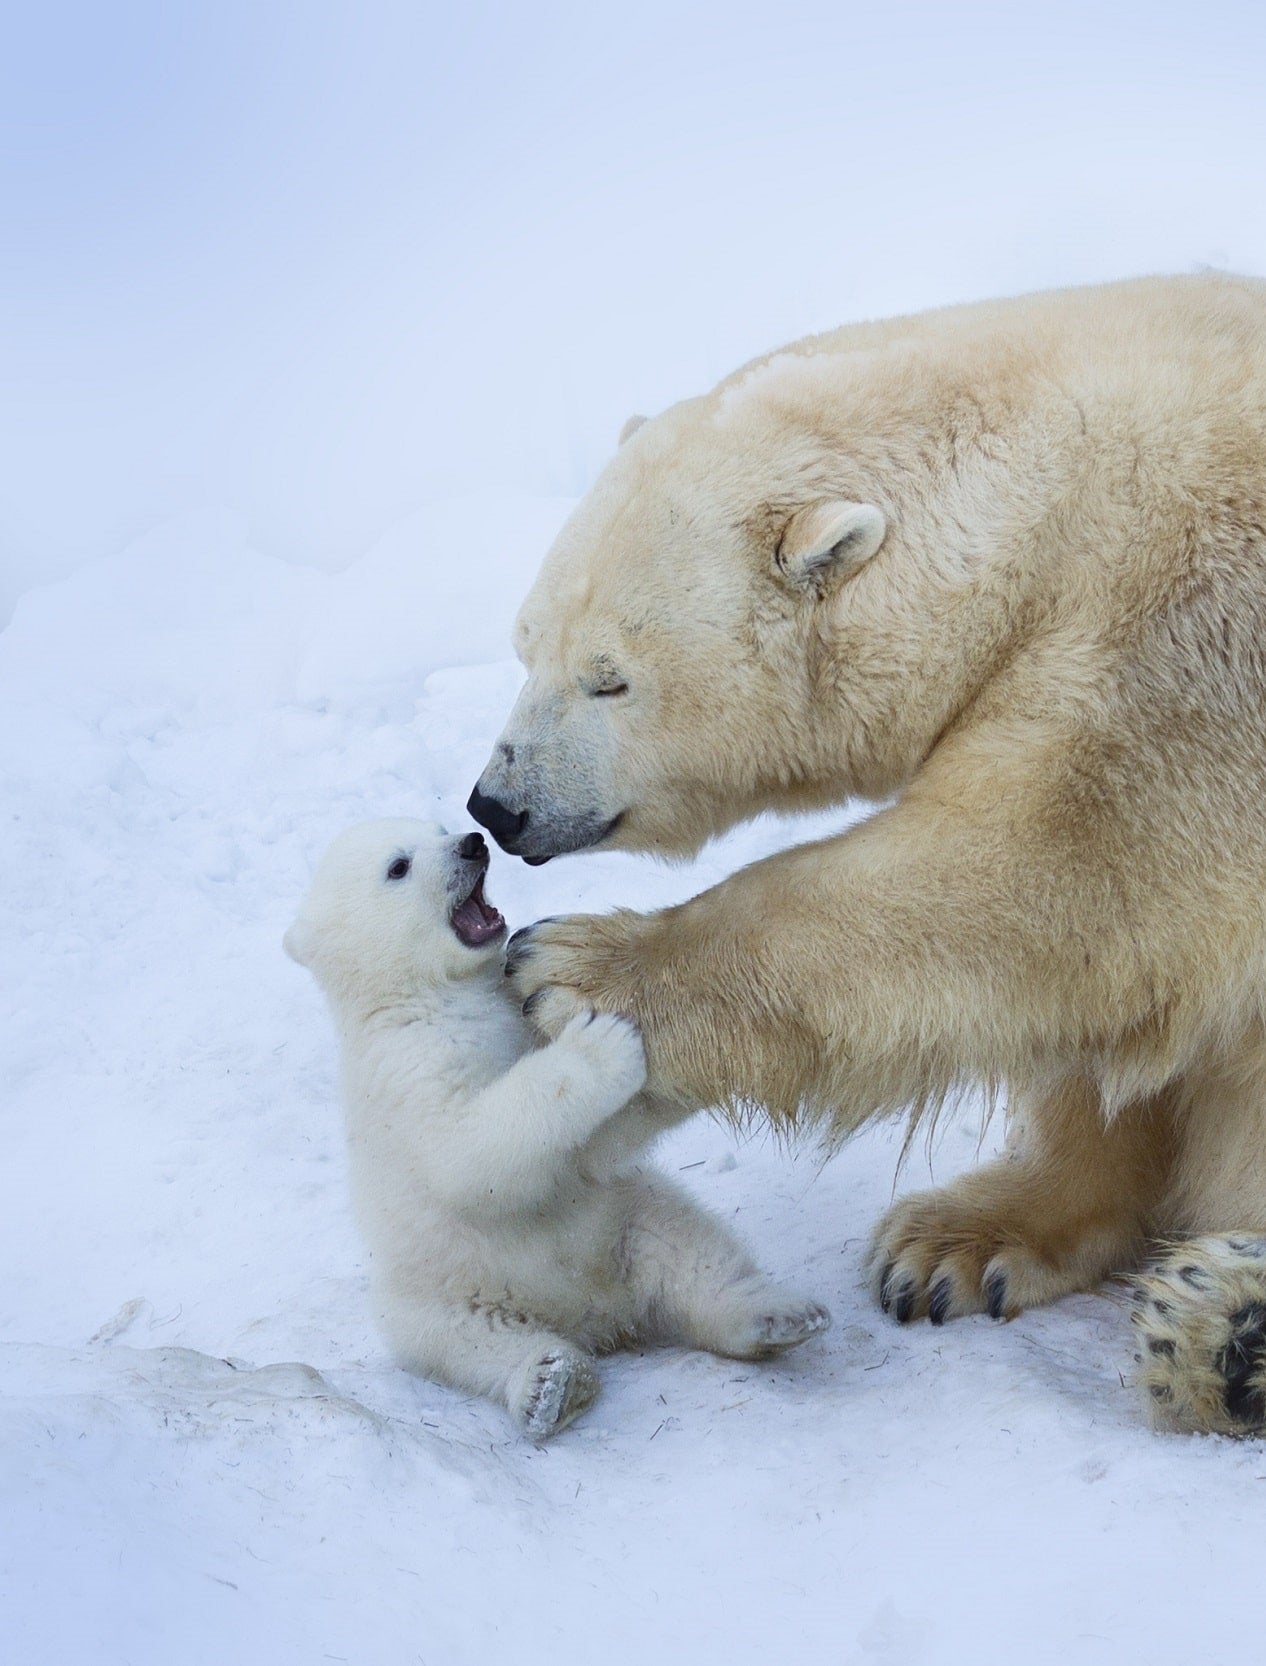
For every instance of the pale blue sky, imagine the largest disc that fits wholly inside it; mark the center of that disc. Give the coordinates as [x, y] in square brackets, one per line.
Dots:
[319, 263]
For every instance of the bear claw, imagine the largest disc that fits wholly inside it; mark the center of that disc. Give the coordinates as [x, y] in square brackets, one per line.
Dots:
[885, 1279]
[942, 1297]
[518, 949]
[996, 1295]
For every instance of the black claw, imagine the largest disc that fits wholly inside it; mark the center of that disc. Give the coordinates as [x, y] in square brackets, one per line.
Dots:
[885, 1294]
[903, 1306]
[996, 1295]
[532, 1002]
[518, 949]
[939, 1306]
[1161, 1345]
[520, 944]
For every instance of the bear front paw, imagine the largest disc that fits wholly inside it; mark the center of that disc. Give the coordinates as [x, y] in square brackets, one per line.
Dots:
[939, 1256]
[559, 968]
[547, 976]
[544, 952]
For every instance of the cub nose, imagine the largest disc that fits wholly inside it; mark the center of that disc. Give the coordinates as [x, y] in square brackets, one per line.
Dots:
[473, 848]
[505, 825]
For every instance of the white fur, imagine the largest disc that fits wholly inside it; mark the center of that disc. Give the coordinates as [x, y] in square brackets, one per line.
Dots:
[513, 1229]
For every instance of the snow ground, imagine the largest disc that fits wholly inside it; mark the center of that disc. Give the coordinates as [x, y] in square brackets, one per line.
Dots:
[205, 1454]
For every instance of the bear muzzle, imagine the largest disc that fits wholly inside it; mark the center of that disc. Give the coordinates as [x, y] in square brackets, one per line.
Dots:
[537, 838]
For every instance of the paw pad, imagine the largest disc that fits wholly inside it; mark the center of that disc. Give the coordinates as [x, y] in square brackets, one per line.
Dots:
[561, 1387]
[1202, 1313]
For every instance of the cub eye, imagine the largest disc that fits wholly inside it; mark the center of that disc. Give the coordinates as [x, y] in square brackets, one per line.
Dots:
[399, 869]
[612, 689]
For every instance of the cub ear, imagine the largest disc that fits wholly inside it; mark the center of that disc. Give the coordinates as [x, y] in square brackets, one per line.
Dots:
[631, 427]
[830, 538]
[300, 942]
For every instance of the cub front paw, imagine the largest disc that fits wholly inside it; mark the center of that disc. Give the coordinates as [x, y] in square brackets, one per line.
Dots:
[611, 1046]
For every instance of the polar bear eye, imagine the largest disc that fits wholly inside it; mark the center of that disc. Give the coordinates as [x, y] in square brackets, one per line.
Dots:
[399, 869]
[610, 690]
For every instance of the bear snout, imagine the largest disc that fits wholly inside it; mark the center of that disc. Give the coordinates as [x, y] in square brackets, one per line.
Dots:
[505, 825]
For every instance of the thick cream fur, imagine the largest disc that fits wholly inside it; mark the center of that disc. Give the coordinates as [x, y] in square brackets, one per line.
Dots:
[1052, 668]
[514, 1224]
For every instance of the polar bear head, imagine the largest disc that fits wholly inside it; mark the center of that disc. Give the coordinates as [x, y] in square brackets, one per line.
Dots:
[396, 905]
[676, 638]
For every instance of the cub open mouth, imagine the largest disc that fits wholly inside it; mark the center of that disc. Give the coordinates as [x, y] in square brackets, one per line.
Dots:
[476, 921]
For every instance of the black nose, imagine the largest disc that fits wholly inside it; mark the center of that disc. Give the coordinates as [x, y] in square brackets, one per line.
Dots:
[504, 825]
[473, 848]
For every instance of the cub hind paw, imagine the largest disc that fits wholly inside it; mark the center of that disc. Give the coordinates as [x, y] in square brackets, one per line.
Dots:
[1200, 1311]
[780, 1326]
[560, 1386]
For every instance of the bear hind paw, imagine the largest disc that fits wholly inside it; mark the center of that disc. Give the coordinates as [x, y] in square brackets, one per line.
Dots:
[1200, 1311]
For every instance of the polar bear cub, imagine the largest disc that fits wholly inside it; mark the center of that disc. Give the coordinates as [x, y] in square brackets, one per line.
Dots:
[514, 1227]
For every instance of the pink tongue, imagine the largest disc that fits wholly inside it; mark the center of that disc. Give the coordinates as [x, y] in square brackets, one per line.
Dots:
[476, 922]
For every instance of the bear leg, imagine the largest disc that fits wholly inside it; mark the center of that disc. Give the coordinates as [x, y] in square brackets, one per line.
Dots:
[1068, 1206]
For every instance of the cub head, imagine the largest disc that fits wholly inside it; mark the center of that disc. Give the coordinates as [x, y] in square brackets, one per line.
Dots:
[673, 642]
[396, 906]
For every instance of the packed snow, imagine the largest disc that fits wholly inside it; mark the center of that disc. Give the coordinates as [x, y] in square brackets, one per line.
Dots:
[206, 1453]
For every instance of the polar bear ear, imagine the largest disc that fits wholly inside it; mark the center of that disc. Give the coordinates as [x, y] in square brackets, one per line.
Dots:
[631, 427]
[832, 537]
[300, 942]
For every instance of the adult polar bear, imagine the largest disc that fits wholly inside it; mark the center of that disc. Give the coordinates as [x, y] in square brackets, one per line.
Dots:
[1004, 565]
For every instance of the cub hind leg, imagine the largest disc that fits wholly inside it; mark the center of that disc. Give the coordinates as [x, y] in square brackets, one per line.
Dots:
[694, 1282]
[489, 1348]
